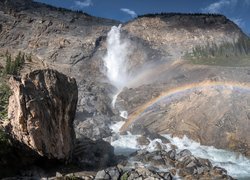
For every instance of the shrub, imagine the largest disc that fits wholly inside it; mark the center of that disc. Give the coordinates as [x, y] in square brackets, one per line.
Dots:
[4, 100]
[13, 67]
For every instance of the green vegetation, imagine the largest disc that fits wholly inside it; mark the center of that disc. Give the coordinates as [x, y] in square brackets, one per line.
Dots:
[124, 176]
[72, 177]
[4, 100]
[227, 54]
[170, 14]
[13, 67]
[8, 157]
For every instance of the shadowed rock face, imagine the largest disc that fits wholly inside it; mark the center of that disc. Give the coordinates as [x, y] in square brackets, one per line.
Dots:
[41, 112]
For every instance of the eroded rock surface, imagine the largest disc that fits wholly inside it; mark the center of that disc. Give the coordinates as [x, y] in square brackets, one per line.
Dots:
[41, 112]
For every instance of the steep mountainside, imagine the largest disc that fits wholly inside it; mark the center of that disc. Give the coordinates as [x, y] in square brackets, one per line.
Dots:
[54, 36]
[176, 34]
[58, 36]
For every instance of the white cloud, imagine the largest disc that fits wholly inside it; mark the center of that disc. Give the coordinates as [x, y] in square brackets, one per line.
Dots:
[219, 5]
[82, 4]
[239, 22]
[130, 12]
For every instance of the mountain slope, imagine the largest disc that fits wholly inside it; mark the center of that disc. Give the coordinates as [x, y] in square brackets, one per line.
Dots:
[177, 33]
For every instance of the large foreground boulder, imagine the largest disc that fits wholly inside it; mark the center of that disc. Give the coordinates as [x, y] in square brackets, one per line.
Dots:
[41, 112]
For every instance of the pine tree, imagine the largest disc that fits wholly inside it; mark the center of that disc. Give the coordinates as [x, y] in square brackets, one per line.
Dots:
[23, 59]
[8, 64]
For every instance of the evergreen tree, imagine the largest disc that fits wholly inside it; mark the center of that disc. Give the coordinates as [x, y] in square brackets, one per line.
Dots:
[8, 64]
[23, 59]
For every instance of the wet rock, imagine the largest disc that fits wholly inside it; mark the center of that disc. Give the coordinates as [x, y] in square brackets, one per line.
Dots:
[137, 173]
[102, 175]
[96, 127]
[143, 141]
[187, 165]
[91, 154]
[41, 112]
[140, 173]
[94, 112]
[184, 153]
[219, 170]
[59, 175]
[113, 173]
[172, 154]
[142, 130]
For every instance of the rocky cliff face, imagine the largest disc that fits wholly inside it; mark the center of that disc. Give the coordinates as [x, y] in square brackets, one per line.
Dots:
[54, 36]
[175, 34]
[41, 113]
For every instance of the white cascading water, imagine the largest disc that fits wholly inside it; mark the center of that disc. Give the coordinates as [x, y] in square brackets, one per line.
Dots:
[236, 165]
[116, 58]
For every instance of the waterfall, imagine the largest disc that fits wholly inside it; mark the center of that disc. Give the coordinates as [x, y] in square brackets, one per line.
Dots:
[115, 60]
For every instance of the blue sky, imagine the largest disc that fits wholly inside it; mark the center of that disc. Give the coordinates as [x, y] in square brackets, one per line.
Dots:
[124, 10]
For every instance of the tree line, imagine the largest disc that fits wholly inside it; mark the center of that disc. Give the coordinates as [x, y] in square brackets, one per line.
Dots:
[169, 14]
[236, 49]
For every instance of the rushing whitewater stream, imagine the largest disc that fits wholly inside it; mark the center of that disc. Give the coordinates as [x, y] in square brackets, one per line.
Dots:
[236, 165]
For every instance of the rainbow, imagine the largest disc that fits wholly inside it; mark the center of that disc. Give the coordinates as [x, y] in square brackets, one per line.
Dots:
[134, 116]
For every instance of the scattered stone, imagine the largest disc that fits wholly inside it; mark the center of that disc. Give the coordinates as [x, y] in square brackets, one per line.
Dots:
[143, 141]
[183, 162]
[58, 175]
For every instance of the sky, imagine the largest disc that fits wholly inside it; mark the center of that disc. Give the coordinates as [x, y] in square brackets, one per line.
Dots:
[125, 10]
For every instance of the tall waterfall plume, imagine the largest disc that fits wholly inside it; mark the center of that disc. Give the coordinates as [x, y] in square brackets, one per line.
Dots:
[116, 58]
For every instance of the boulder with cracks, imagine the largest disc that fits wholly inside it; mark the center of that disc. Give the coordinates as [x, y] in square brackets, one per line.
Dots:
[41, 113]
